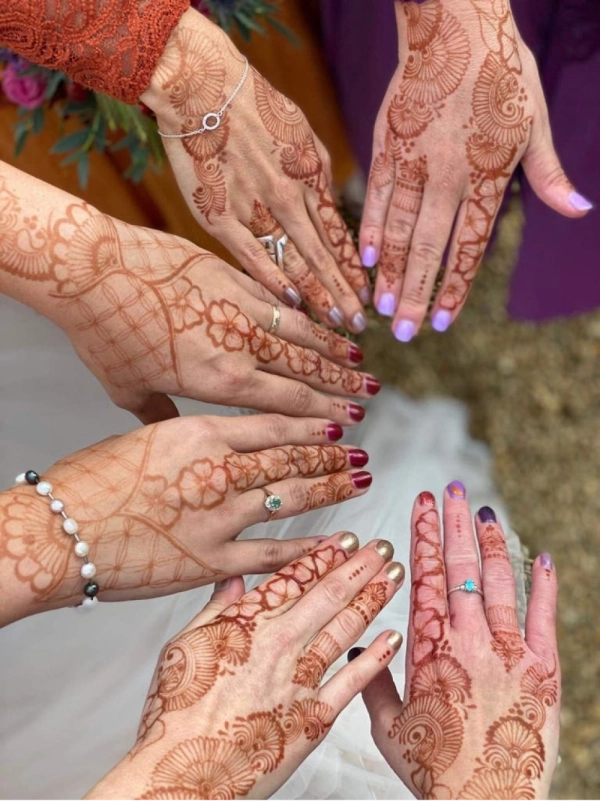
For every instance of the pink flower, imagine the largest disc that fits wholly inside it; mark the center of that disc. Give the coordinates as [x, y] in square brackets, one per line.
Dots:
[24, 90]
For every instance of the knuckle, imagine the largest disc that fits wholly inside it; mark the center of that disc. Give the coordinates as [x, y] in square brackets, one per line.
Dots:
[236, 382]
[335, 591]
[273, 555]
[471, 251]
[277, 429]
[351, 625]
[253, 254]
[287, 639]
[318, 259]
[300, 397]
[427, 254]
[285, 192]
[399, 230]
[500, 576]
[304, 330]
[297, 493]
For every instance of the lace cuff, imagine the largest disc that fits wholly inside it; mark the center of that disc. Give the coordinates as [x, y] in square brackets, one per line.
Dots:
[110, 46]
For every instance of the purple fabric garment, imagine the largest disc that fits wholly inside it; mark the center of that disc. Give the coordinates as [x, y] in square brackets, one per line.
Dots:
[556, 272]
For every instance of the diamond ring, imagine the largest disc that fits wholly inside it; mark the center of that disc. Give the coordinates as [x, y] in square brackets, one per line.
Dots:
[272, 502]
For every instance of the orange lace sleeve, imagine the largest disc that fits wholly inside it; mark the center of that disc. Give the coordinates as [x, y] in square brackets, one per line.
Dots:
[111, 46]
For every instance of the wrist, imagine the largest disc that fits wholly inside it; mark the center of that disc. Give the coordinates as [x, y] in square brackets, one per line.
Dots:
[198, 70]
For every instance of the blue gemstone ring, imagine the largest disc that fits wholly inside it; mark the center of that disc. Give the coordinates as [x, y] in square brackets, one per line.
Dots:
[468, 586]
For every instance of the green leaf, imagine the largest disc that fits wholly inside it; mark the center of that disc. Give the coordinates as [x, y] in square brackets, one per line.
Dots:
[55, 81]
[83, 170]
[72, 141]
[21, 137]
[37, 120]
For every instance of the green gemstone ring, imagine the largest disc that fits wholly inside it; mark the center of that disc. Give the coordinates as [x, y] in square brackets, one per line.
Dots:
[273, 503]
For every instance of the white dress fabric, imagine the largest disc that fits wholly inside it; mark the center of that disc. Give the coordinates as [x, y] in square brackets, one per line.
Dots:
[72, 685]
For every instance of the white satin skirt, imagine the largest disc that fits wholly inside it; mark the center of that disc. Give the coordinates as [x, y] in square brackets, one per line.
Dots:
[72, 685]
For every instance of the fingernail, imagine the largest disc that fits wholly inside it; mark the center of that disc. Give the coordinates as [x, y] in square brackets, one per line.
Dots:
[355, 354]
[349, 542]
[365, 295]
[359, 322]
[334, 432]
[385, 549]
[426, 499]
[456, 489]
[441, 321]
[362, 480]
[404, 330]
[386, 304]
[358, 457]
[579, 202]
[546, 561]
[486, 515]
[356, 412]
[335, 316]
[395, 572]
[292, 297]
[372, 385]
[369, 256]
[395, 640]
[222, 585]
[353, 653]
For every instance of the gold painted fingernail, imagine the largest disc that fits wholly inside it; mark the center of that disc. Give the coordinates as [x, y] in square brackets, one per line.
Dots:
[395, 640]
[395, 572]
[349, 542]
[385, 549]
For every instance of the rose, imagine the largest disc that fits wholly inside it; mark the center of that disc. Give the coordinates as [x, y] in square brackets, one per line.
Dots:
[24, 90]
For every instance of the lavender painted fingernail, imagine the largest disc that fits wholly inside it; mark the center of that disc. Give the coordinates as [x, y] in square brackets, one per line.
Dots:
[335, 316]
[456, 489]
[441, 321]
[369, 257]
[359, 322]
[404, 330]
[365, 295]
[546, 561]
[386, 304]
[292, 297]
[486, 515]
[579, 202]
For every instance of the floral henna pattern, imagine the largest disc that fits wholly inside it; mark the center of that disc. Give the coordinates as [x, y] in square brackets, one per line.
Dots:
[190, 665]
[507, 641]
[229, 765]
[500, 128]
[514, 754]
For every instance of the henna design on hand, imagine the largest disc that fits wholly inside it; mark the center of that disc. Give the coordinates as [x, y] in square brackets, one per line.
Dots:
[514, 753]
[507, 641]
[190, 665]
[500, 128]
[228, 766]
[311, 667]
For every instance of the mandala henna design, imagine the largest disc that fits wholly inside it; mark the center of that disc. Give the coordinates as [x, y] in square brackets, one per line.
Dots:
[369, 602]
[228, 766]
[514, 753]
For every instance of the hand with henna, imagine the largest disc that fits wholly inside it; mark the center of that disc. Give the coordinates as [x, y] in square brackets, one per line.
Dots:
[160, 508]
[261, 172]
[238, 700]
[480, 715]
[152, 315]
[464, 107]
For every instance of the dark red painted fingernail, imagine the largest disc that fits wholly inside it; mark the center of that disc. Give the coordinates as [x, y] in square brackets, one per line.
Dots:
[356, 412]
[358, 457]
[362, 480]
[426, 499]
[372, 385]
[354, 652]
[486, 515]
[355, 354]
[334, 432]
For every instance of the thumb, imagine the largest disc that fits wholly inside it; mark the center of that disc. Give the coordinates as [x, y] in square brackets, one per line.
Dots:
[155, 408]
[547, 177]
[225, 594]
[383, 703]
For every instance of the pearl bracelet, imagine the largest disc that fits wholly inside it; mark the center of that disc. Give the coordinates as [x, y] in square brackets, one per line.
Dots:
[71, 527]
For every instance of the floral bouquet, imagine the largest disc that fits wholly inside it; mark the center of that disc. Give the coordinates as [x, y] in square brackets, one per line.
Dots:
[102, 123]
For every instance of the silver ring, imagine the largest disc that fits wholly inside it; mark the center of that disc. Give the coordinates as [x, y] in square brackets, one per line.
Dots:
[274, 248]
[272, 502]
[273, 328]
[467, 586]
